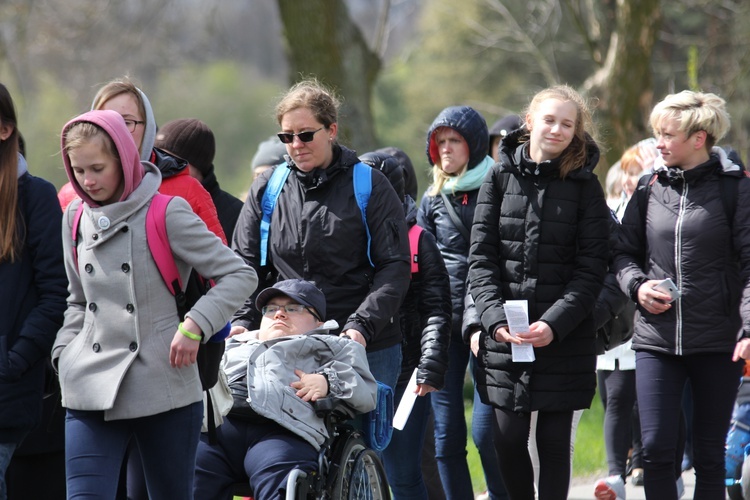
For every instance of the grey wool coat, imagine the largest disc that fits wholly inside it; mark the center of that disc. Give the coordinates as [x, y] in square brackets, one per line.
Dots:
[112, 352]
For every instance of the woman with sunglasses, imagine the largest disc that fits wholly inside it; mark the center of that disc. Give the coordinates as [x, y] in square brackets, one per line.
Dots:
[317, 231]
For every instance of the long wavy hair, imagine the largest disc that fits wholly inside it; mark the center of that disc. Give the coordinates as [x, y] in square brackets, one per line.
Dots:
[10, 237]
[575, 154]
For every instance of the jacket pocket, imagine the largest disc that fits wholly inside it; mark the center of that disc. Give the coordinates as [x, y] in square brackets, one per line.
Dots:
[300, 417]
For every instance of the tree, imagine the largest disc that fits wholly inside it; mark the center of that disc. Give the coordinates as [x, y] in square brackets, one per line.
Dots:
[324, 42]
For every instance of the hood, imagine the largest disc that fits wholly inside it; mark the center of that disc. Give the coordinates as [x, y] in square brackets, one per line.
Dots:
[149, 128]
[169, 165]
[389, 166]
[514, 157]
[114, 126]
[410, 176]
[467, 122]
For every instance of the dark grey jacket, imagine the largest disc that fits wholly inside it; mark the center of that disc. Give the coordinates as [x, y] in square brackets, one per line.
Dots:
[688, 238]
[543, 239]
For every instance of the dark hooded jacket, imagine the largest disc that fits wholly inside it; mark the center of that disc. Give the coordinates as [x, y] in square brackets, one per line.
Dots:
[543, 239]
[317, 234]
[683, 233]
[32, 303]
[433, 214]
[426, 311]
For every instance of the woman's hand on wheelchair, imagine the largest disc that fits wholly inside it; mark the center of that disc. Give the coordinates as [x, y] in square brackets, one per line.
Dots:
[310, 386]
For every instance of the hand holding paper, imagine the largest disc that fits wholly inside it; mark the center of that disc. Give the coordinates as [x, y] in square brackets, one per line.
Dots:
[517, 314]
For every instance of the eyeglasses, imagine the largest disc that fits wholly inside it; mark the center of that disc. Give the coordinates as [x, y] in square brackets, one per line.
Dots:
[303, 136]
[272, 309]
[131, 124]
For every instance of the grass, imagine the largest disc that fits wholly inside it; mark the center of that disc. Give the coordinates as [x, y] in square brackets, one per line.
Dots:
[589, 456]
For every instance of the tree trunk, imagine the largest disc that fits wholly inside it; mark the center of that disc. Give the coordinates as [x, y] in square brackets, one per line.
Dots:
[623, 85]
[323, 42]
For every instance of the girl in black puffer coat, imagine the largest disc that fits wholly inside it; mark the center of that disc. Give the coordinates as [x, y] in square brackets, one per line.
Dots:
[540, 234]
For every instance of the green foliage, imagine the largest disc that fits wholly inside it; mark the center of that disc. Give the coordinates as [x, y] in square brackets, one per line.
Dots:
[235, 102]
[40, 120]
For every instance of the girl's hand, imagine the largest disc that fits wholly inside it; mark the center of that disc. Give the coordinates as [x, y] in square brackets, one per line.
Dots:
[741, 350]
[539, 334]
[184, 351]
[310, 386]
[503, 335]
[651, 299]
[424, 389]
[474, 344]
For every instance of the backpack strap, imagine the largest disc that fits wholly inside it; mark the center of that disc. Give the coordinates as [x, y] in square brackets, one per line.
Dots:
[267, 204]
[415, 233]
[465, 231]
[158, 245]
[74, 232]
[362, 180]
[643, 192]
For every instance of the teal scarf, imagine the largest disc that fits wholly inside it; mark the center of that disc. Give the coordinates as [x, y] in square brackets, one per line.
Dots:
[470, 180]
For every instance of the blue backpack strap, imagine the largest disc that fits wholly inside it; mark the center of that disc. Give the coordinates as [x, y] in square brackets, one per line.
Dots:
[267, 204]
[362, 180]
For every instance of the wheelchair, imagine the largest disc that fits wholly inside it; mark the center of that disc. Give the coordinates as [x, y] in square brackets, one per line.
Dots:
[347, 468]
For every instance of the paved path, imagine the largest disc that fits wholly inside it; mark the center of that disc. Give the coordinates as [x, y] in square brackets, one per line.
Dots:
[585, 490]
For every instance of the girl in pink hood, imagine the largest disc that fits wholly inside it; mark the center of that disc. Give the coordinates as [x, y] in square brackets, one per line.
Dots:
[126, 365]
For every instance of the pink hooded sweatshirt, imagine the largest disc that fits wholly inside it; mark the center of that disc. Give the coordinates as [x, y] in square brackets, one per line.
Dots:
[114, 126]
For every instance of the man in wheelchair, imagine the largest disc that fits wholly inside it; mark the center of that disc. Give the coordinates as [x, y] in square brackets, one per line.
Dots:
[274, 374]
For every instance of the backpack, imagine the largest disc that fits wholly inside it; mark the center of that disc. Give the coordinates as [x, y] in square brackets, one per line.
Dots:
[209, 353]
[362, 181]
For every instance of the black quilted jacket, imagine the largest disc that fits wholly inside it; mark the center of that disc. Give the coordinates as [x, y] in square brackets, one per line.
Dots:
[543, 239]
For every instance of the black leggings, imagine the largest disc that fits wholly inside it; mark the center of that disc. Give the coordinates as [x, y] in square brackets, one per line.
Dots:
[511, 439]
[617, 390]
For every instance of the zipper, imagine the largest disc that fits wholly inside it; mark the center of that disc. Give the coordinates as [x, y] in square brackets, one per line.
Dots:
[678, 266]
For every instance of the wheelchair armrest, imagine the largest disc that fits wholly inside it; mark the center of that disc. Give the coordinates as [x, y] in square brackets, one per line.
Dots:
[333, 406]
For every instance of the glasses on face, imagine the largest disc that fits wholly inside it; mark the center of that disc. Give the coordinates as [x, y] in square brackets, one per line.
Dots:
[132, 124]
[272, 309]
[303, 136]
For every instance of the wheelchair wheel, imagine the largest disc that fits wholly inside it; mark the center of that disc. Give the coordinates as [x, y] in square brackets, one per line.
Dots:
[361, 475]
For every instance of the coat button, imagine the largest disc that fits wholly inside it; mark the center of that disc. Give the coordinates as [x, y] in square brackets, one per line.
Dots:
[92, 307]
[95, 237]
[130, 308]
[89, 268]
[125, 267]
[125, 229]
[96, 347]
[133, 346]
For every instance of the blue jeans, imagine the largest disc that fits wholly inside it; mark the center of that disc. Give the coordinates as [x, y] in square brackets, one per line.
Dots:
[403, 457]
[660, 379]
[6, 453]
[450, 425]
[385, 365]
[95, 448]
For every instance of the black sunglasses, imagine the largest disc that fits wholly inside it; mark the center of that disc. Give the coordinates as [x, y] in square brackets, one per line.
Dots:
[303, 136]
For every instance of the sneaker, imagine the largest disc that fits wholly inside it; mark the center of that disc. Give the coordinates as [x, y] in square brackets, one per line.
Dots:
[637, 478]
[680, 487]
[483, 496]
[611, 488]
